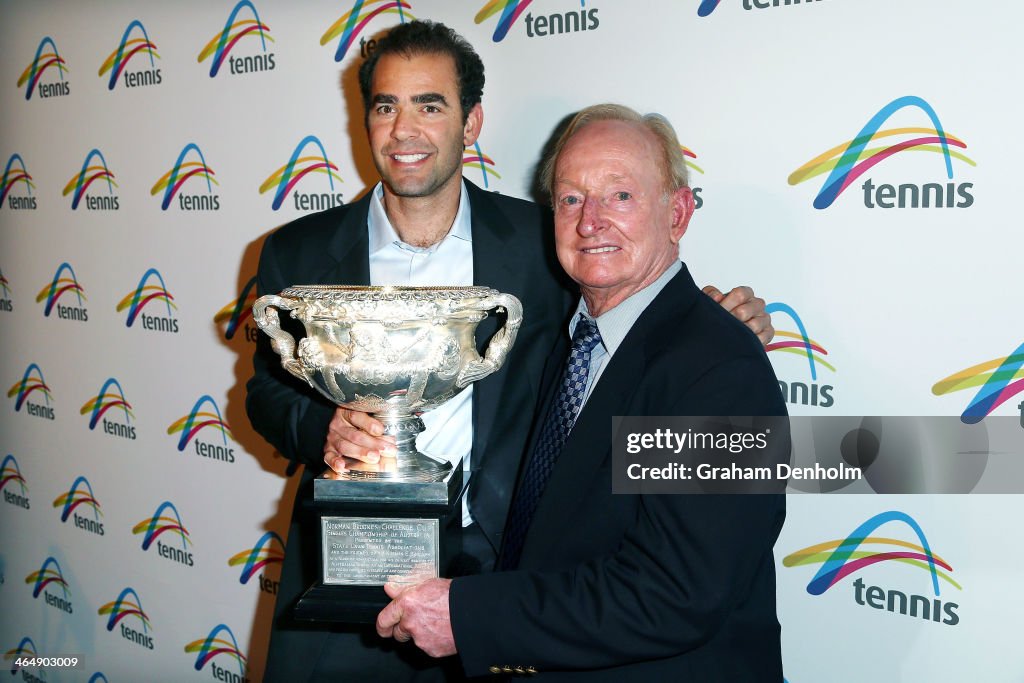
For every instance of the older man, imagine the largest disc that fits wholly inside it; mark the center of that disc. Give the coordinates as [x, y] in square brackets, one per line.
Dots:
[621, 587]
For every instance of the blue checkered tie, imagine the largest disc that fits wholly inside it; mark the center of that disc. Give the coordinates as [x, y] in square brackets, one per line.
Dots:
[557, 425]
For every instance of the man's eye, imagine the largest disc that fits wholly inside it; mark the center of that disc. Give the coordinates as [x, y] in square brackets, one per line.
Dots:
[385, 109]
[623, 196]
[431, 109]
[570, 201]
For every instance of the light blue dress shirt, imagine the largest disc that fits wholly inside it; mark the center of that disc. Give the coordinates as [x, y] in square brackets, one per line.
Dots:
[449, 427]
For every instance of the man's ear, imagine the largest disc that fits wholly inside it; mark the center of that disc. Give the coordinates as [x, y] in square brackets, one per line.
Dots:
[474, 121]
[683, 207]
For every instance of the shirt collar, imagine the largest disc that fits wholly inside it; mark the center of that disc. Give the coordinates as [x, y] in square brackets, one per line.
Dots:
[383, 235]
[614, 324]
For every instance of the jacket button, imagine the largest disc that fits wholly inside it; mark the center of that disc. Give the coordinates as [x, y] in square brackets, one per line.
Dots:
[507, 669]
[495, 669]
[530, 670]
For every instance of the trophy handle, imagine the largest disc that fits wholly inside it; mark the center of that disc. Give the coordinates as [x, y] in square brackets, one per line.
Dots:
[264, 312]
[501, 343]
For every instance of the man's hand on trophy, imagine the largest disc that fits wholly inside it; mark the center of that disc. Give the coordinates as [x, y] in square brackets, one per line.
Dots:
[747, 308]
[419, 613]
[355, 436]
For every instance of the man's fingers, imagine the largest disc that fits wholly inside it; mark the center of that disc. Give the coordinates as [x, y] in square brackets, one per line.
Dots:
[388, 619]
[714, 293]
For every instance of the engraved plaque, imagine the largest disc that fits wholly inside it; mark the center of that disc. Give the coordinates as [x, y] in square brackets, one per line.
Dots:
[368, 551]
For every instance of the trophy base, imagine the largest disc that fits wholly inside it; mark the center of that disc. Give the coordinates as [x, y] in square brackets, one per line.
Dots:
[376, 531]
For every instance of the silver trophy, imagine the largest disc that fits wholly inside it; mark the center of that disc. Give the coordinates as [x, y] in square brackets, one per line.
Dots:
[393, 352]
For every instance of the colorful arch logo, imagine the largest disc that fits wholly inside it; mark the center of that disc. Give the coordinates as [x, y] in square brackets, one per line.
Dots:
[270, 548]
[239, 310]
[60, 285]
[199, 419]
[165, 520]
[5, 286]
[350, 24]
[510, 12]
[111, 396]
[182, 170]
[707, 7]
[10, 472]
[298, 166]
[689, 154]
[235, 29]
[145, 293]
[80, 493]
[81, 181]
[31, 382]
[840, 558]
[797, 342]
[128, 48]
[211, 646]
[49, 573]
[43, 62]
[475, 158]
[126, 605]
[999, 379]
[846, 162]
[98, 677]
[26, 648]
[14, 173]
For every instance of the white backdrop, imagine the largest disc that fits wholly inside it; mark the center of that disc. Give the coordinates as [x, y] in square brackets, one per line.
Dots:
[892, 300]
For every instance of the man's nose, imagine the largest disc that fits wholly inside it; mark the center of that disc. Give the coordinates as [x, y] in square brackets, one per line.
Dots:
[591, 217]
[404, 126]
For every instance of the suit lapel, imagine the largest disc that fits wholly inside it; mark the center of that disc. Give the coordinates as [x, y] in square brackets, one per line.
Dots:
[588, 445]
[495, 254]
[348, 250]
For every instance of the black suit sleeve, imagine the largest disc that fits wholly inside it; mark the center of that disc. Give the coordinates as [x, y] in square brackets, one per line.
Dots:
[287, 413]
[686, 565]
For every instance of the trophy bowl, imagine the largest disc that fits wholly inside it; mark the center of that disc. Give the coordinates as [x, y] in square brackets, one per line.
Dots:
[393, 352]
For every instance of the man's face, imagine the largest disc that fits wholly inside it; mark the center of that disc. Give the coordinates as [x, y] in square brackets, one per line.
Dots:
[415, 125]
[617, 228]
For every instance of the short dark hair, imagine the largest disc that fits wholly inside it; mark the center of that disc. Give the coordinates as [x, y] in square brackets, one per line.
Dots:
[434, 38]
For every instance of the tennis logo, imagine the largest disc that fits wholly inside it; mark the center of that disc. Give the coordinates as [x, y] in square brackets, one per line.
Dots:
[860, 550]
[150, 292]
[165, 525]
[285, 178]
[13, 484]
[811, 390]
[539, 26]
[184, 169]
[691, 164]
[708, 6]
[49, 582]
[110, 397]
[268, 550]
[206, 421]
[50, 64]
[93, 168]
[350, 24]
[238, 312]
[64, 284]
[16, 176]
[26, 648]
[998, 380]
[219, 643]
[847, 162]
[127, 608]
[134, 43]
[28, 391]
[80, 499]
[236, 28]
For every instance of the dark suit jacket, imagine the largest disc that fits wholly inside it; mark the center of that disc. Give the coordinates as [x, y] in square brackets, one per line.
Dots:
[641, 587]
[513, 253]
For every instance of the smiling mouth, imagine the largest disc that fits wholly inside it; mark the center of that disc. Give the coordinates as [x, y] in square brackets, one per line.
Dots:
[409, 158]
[600, 250]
